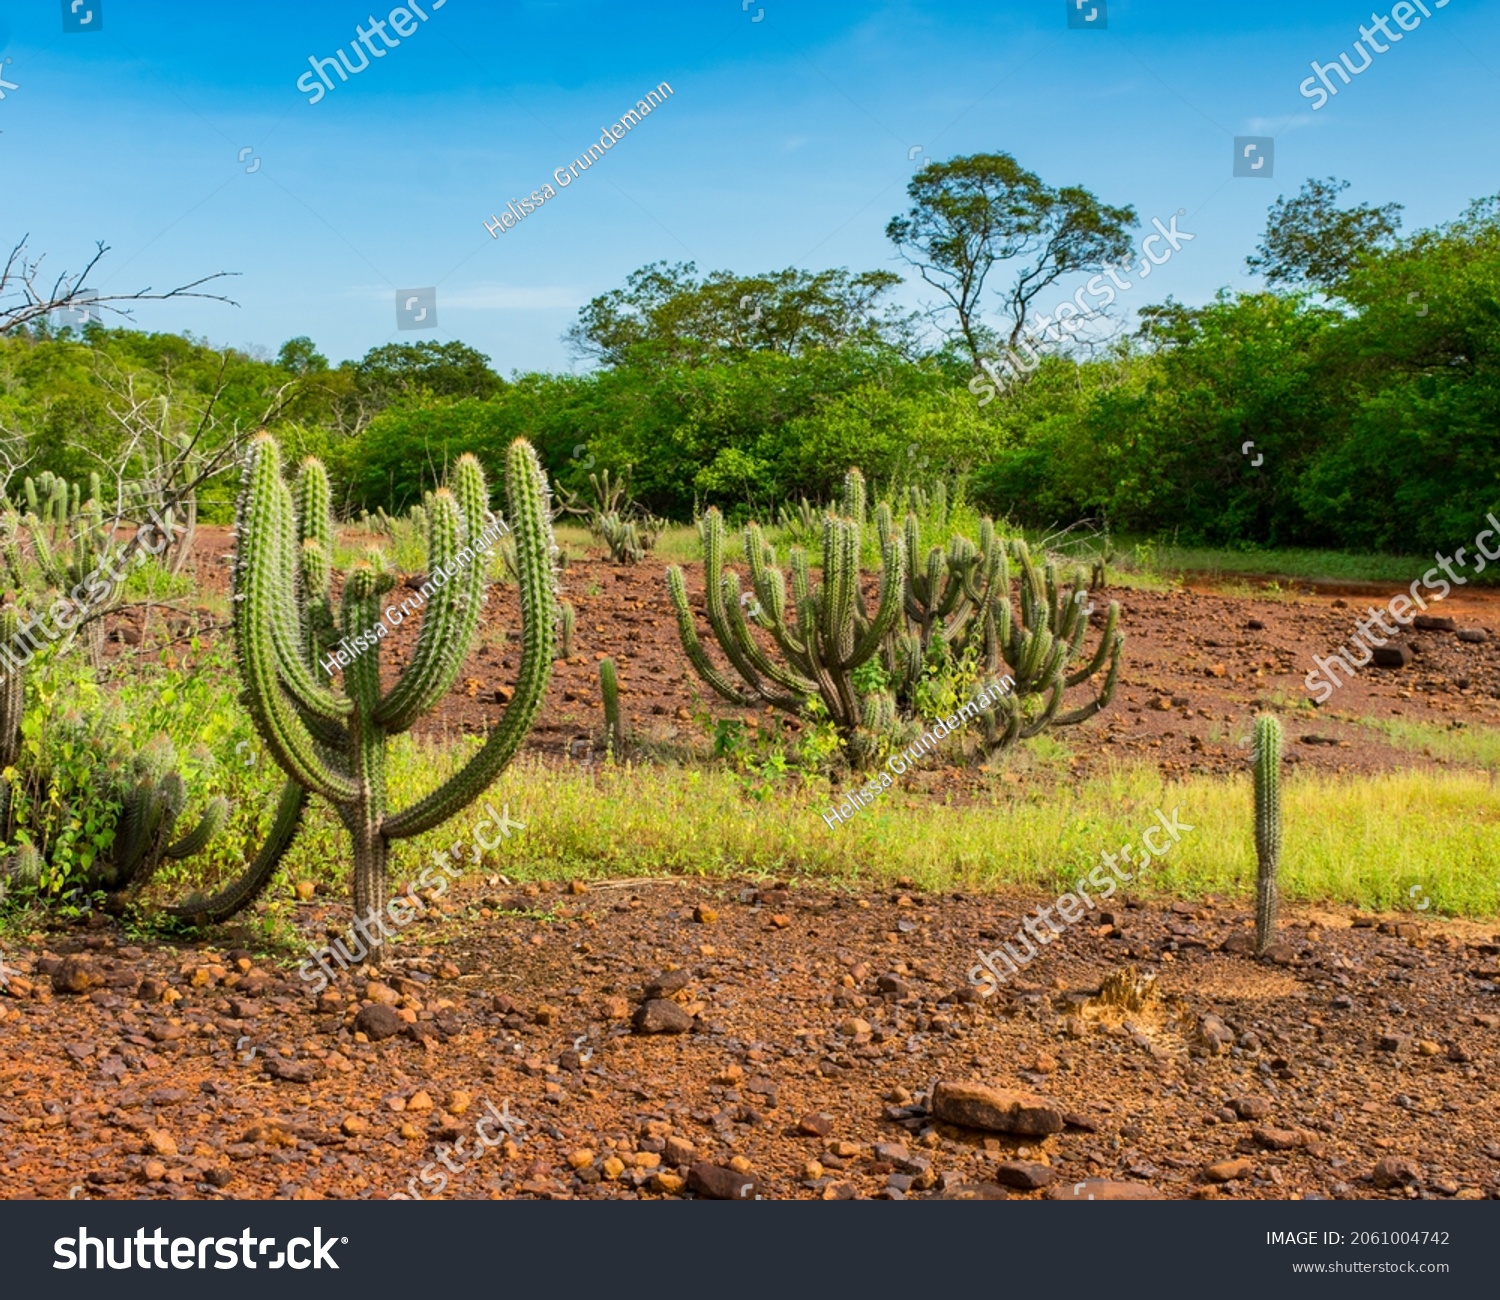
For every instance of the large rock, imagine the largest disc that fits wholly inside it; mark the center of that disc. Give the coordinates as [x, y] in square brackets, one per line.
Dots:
[1432, 623]
[378, 1021]
[74, 974]
[661, 1016]
[971, 1105]
[1394, 654]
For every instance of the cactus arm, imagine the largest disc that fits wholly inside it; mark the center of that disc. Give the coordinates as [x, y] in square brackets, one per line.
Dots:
[448, 622]
[209, 825]
[893, 565]
[530, 515]
[257, 591]
[244, 891]
[1106, 692]
[702, 665]
[1109, 646]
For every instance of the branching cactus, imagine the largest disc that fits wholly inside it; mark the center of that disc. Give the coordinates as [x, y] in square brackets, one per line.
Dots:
[289, 639]
[1267, 828]
[1044, 652]
[824, 636]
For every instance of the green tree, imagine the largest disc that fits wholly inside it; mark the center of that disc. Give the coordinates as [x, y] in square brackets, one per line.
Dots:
[1310, 242]
[970, 213]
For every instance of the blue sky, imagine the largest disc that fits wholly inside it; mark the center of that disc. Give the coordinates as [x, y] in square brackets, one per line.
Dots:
[785, 143]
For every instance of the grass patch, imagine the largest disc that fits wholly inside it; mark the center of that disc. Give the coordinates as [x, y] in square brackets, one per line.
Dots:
[1458, 742]
[1348, 841]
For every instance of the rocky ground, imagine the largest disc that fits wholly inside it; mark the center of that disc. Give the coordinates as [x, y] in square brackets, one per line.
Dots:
[666, 1039]
[673, 1038]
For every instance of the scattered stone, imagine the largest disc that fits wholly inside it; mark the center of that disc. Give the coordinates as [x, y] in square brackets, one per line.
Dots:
[1247, 1108]
[1228, 1170]
[1024, 1174]
[661, 1016]
[663, 986]
[1398, 1043]
[378, 1021]
[971, 1105]
[1396, 1171]
[716, 1183]
[815, 1125]
[278, 1067]
[1432, 623]
[974, 1192]
[1394, 654]
[74, 974]
[1473, 635]
[353, 1125]
[705, 915]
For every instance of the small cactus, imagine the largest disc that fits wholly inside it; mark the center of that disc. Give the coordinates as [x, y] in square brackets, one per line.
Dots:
[1267, 827]
[609, 687]
[566, 621]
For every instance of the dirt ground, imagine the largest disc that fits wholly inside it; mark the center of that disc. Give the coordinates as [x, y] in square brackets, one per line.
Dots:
[733, 1040]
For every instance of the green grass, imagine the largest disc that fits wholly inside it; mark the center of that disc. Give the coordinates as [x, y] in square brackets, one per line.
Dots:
[1363, 842]
[1168, 561]
[1467, 744]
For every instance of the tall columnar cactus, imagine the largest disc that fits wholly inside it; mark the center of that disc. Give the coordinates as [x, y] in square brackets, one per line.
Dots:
[824, 636]
[1267, 828]
[333, 742]
[609, 688]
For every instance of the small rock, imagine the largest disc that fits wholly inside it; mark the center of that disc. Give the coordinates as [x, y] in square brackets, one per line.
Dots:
[1473, 635]
[378, 1021]
[160, 1143]
[1024, 1174]
[1396, 1171]
[705, 915]
[74, 974]
[1250, 1107]
[1432, 623]
[716, 1183]
[815, 1125]
[971, 1105]
[1394, 654]
[663, 986]
[1228, 1170]
[353, 1125]
[660, 1016]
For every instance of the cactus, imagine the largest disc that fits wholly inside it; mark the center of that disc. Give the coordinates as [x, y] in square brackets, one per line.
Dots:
[57, 547]
[622, 538]
[609, 688]
[332, 742]
[150, 792]
[953, 610]
[566, 620]
[1044, 651]
[799, 521]
[824, 637]
[1267, 828]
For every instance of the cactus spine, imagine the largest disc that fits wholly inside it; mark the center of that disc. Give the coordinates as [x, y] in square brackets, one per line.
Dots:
[1267, 828]
[333, 743]
[609, 688]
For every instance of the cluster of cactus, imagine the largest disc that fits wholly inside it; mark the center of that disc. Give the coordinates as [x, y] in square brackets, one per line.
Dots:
[331, 742]
[1267, 828]
[800, 522]
[953, 607]
[826, 636]
[629, 540]
[55, 545]
[150, 794]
